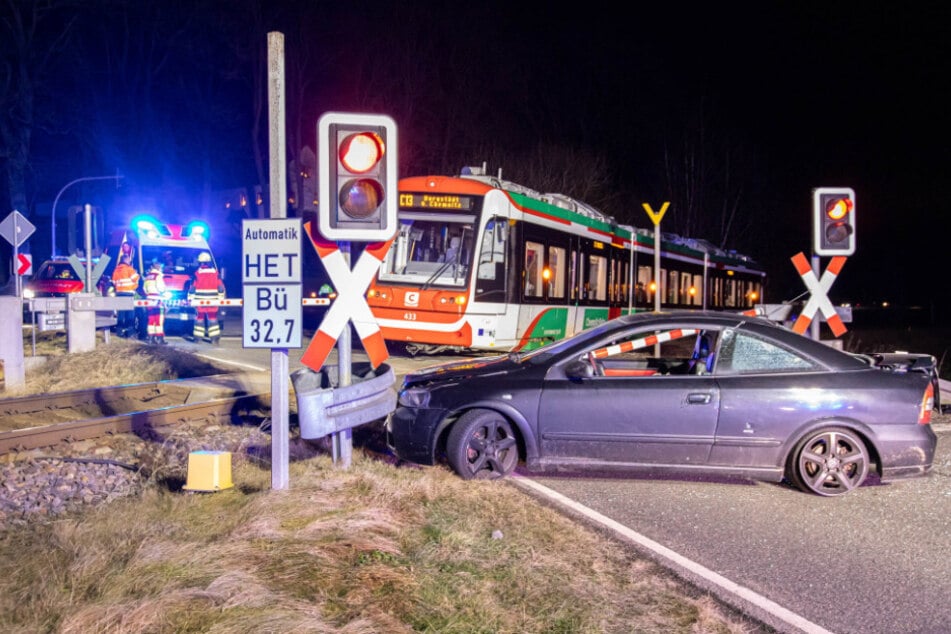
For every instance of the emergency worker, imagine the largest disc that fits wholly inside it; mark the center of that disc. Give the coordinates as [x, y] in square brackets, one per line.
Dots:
[154, 287]
[125, 280]
[205, 293]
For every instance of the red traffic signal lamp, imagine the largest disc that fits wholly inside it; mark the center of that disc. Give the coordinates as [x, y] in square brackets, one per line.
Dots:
[833, 211]
[357, 177]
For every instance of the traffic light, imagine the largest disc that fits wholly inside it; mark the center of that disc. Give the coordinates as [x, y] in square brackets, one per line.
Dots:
[833, 221]
[357, 174]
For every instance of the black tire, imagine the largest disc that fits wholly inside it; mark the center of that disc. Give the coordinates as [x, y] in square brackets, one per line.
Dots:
[482, 445]
[830, 462]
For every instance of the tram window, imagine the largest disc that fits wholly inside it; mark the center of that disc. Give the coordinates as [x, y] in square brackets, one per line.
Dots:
[716, 296]
[644, 277]
[534, 261]
[729, 298]
[492, 251]
[556, 265]
[673, 288]
[574, 276]
[597, 277]
[696, 297]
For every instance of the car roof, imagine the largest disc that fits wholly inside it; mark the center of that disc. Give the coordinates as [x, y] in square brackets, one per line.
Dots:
[821, 352]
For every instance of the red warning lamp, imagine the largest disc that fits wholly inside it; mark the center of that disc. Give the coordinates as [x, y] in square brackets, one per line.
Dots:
[833, 221]
[839, 208]
[357, 177]
[360, 152]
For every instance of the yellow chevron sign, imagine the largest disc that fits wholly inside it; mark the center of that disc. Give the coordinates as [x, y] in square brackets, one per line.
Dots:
[656, 215]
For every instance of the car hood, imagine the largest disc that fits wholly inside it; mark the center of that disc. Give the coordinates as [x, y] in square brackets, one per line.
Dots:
[458, 370]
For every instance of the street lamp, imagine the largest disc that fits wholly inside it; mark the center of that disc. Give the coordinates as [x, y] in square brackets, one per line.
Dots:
[56, 200]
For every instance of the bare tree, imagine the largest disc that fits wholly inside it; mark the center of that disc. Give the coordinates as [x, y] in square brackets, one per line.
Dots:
[33, 36]
[704, 171]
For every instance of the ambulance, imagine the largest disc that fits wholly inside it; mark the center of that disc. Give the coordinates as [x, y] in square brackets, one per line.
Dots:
[177, 248]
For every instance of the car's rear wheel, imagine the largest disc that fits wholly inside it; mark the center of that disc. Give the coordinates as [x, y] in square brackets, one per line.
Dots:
[482, 445]
[830, 461]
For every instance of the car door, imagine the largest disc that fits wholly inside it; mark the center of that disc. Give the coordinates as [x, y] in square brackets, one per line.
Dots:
[767, 392]
[642, 409]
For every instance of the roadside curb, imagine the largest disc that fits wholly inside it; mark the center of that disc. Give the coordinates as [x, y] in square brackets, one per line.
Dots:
[755, 606]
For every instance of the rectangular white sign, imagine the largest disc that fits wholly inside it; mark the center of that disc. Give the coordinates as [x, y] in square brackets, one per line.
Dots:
[271, 251]
[272, 315]
[271, 272]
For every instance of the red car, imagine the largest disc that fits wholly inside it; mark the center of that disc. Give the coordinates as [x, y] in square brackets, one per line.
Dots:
[57, 278]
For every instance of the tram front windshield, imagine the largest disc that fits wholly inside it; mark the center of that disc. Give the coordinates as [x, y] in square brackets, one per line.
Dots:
[430, 250]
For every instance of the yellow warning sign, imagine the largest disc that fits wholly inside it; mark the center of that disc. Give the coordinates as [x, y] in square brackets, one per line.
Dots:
[656, 215]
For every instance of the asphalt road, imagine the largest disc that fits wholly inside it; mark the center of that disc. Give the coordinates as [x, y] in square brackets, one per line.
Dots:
[875, 560]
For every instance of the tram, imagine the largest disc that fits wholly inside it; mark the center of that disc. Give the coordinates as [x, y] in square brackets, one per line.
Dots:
[480, 263]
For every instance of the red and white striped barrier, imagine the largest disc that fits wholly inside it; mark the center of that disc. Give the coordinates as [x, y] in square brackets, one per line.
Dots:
[643, 342]
[144, 303]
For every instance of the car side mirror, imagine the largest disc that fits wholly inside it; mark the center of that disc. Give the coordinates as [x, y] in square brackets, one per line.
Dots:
[578, 370]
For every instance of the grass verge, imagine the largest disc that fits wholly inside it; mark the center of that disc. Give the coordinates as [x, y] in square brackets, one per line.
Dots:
[374, 548]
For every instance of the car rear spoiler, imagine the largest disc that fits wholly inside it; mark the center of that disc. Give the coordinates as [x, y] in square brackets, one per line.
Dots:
[907, 362]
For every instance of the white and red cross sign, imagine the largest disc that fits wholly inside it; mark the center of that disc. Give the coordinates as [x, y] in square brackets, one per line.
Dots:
[819, 299]
[350, 304]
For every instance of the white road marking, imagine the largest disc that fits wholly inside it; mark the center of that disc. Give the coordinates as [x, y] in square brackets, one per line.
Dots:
[771, 607]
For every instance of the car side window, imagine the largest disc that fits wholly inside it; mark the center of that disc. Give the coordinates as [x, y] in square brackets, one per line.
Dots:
[655, 353]
[741, 353]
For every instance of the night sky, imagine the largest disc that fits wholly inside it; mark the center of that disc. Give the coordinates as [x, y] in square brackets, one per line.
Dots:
[810, 94]
[822, 94]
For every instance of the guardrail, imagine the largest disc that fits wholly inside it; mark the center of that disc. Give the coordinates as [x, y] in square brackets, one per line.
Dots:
[323, 408]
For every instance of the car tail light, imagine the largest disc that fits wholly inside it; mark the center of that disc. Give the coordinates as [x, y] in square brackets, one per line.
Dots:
[927, 404]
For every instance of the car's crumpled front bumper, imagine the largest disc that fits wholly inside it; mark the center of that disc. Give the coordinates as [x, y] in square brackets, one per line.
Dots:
[411, 433]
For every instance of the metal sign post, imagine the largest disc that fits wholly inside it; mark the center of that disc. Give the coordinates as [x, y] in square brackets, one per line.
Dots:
[280, 366]
[656, 217]
[15, 228]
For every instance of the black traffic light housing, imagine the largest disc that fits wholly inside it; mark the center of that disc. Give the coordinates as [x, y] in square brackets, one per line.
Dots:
[357, 174]
[833, 221]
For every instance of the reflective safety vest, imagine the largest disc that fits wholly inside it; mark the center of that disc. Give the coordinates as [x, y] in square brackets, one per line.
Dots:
[207, 285]
[125, 279]
[154, 285]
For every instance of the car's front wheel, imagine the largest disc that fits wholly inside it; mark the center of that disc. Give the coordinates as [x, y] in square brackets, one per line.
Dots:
[830, 461]
[482, 445]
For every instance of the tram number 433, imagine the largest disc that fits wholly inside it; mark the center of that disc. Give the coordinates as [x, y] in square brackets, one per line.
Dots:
[266, 331]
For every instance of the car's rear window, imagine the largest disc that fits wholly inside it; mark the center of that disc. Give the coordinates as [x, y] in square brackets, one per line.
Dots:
[58, 272]
[741, 353]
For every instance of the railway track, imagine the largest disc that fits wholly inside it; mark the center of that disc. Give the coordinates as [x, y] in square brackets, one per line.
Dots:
[45, 420]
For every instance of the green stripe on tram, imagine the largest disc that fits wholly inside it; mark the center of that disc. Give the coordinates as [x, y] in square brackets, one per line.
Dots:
[551, 325]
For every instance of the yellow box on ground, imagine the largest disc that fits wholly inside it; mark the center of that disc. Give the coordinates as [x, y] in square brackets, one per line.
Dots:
[209, 471]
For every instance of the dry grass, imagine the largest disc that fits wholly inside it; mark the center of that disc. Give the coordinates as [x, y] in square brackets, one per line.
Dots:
[120, 362]
[374, 548]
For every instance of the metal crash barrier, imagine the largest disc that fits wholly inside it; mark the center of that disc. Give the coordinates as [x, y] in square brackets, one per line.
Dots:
[323, 408]
[81, 319]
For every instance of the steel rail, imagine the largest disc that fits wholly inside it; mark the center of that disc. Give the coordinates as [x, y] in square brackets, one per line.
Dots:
[101, 397]
[138, 422]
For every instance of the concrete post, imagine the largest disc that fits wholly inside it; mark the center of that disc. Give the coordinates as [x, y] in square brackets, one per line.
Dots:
[11, 341]
[80, 323]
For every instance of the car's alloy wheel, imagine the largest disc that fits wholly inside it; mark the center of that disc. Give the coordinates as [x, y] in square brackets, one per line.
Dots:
[831, 462]
[482, 445]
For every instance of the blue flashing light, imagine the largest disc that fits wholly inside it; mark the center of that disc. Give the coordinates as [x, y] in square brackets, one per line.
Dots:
[144, 223]
[197, 229]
